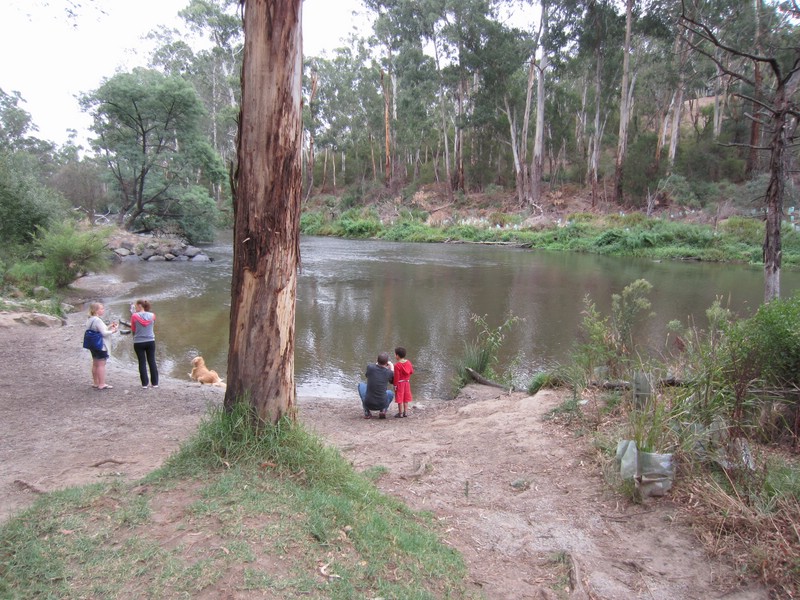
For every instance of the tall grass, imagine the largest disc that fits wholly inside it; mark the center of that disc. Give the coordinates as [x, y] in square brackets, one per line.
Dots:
[481, 352]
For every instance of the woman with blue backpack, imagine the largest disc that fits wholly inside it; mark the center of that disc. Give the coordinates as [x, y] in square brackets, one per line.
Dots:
[99, 355]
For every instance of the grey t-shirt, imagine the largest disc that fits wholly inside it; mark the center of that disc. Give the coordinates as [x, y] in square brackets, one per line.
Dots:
[142, 325]
[378, 380]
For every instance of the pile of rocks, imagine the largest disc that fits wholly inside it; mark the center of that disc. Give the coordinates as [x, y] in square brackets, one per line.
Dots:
[132, 247]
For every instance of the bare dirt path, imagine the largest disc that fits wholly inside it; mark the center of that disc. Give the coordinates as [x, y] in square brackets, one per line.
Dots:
[513, 491]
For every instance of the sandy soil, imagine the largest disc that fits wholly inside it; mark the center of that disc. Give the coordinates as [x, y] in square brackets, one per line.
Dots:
[513, 490]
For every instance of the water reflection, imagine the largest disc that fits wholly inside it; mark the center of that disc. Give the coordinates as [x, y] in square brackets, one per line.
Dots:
[356, 298]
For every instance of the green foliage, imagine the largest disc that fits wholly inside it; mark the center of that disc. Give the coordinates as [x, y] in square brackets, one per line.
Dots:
[547, 379]
[359, 223]
[312, 223]
[743, 230]
[772, 338]
[411, 231]
[650, 424]
[481, 353]
[25, 275]
[25, 203]
[197, 215]
[160, 163]
[640, 169]
[67, 253]
[606, 343]
[678, 191]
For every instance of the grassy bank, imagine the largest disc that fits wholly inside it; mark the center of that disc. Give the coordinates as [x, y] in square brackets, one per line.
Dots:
[276, 514]
[737, 239]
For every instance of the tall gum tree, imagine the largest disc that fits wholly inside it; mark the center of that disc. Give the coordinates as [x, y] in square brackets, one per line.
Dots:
[778, 102]
[267, 197]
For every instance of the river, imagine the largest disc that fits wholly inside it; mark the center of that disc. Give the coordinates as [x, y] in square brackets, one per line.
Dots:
[357, 298]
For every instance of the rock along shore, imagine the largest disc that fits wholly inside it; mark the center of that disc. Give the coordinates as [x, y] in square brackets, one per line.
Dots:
[135, 247]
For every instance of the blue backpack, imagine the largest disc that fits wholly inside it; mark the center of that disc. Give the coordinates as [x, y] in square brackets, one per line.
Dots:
[92, 340]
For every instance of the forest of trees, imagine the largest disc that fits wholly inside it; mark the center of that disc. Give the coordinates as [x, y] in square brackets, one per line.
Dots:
[627, 99]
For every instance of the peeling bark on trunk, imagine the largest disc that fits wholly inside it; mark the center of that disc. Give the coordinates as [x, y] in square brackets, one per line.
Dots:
[626, 99]
[537, 164]
[266, 250]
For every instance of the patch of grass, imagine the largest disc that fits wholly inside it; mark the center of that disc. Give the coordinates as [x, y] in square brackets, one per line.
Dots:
[268, 509]
[47, 306]
[569, 407]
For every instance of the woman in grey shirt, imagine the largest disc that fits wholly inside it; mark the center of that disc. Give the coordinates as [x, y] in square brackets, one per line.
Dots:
[144, 341]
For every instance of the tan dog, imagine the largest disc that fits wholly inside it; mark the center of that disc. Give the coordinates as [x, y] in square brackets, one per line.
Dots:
[203, 374]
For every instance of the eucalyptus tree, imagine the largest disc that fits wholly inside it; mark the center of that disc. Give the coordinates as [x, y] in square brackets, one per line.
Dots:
[504, 96]
[266, 246]
[417, 126]
[215, 70]
[599, 37]
[625, 103]
[346, 116]
[27, 203]
[778, 53]
[442, 30]
[408, 27]
[148, 130]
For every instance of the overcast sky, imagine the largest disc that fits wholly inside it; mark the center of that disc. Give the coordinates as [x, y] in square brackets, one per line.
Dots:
[50, 59]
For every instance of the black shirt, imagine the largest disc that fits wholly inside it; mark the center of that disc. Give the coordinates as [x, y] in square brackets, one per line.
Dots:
[378, 379]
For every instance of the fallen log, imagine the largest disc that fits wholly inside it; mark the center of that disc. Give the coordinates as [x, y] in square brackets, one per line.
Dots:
[478, 378]
[626, 385]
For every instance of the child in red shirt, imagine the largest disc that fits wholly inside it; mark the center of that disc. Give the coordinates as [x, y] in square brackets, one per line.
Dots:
[402, 385]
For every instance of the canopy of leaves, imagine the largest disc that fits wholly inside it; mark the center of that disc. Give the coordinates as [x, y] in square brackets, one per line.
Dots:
[148, 129]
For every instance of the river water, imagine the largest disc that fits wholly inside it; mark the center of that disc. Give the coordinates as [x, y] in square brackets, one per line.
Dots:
[357, 298]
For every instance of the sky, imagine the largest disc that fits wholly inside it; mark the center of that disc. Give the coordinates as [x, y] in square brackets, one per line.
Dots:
[51, 59]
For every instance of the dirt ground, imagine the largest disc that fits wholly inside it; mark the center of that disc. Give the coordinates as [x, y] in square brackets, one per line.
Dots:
[513, 491]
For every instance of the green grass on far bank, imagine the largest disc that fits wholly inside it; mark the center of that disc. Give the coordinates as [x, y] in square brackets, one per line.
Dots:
[275, 514]
[737, 239]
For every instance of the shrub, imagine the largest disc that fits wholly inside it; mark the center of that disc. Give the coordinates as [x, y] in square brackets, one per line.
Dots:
[481, 353]
[25, 204]
[25, 274]
[740, 229]
[773, 337]
[678, 190]
[606, 342]
[68, 253]
[356, 223]
[311, 223]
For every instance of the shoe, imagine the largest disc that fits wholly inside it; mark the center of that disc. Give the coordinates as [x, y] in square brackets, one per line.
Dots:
[105, 387]
[382, 414]
[155, 386]
[367, 414]
[398, 416]
[405, 415]
[144, 387]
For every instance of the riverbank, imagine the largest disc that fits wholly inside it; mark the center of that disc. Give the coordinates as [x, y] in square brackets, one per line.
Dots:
[572, 226]
[509, 512]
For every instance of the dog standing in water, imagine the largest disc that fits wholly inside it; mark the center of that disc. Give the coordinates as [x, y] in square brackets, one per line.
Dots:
[203, 374]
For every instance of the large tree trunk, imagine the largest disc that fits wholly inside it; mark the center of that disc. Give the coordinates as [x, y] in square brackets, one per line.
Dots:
[266, 249]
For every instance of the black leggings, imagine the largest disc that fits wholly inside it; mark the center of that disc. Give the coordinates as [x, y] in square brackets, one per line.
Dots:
[146, 353]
